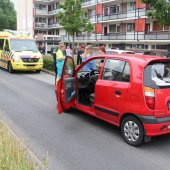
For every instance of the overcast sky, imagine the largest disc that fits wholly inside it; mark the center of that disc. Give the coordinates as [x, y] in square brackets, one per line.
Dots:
[14, 1]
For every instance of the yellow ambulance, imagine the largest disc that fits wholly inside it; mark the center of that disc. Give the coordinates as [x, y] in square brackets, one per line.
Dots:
[18, 51]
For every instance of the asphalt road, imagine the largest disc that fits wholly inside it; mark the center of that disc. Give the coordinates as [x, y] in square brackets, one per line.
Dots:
[71, 141]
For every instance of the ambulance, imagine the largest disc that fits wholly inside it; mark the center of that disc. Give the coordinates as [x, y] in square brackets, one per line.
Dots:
[19, 52]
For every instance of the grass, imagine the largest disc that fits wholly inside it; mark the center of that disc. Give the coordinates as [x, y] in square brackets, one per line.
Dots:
[13, 156]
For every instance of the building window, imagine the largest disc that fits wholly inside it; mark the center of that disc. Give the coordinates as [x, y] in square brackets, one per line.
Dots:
[113, 9]
[130, 27]
[140, 46]
[128, 46]
[161, 47]
[112, 28]
[131, 6]
[118, 28]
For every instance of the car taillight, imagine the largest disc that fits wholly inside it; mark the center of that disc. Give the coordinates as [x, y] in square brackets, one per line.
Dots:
[149, 97]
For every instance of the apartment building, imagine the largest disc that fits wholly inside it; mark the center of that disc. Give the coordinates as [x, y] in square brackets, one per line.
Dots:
[117, 24]
[25, 17]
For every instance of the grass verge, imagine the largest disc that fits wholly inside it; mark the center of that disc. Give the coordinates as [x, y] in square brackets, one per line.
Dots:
[12, 153]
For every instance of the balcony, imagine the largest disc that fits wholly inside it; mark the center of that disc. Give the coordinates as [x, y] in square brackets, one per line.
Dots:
[126, 36]
[89, 3]
[103, 1]
[41, 12]
[120, 16]
[41, 25]
[54, 12]
[55, 25]
[157, 35]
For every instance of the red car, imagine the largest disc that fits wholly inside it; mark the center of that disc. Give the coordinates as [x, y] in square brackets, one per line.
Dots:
[129, 91]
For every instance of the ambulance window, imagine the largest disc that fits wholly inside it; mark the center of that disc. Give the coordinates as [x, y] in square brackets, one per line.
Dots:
[1, 44]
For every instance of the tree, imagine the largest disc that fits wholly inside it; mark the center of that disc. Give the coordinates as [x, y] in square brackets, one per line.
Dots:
[7, 15]
[161, 12]
[73, 19]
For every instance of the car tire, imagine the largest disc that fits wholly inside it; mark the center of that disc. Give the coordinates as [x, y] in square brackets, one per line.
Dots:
[10, 68]
[132, 131]
[38, 71]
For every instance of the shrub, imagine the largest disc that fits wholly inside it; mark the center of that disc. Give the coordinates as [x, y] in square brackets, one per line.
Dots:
[49, 63]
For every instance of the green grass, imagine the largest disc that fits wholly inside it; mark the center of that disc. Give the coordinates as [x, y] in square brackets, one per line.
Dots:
[13, 156]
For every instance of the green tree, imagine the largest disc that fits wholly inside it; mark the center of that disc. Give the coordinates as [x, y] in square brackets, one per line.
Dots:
[72, 18]
[161, 11]
[7, 15]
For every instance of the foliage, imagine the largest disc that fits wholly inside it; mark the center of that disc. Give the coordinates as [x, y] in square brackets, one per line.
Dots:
[7, 15]
[73, 19]
[161, 12]
[49, 63]
[12, 154]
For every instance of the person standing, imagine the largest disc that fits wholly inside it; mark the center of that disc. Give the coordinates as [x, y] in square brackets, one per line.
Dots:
[69, 52]
[86, 55]
[102, 50]
[60, 59]
[79, 53]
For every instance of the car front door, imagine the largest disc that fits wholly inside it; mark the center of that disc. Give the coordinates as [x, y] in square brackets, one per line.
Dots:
[111, 89]
[65, 87]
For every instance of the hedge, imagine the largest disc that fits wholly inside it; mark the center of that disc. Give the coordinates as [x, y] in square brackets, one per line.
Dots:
[49, 63]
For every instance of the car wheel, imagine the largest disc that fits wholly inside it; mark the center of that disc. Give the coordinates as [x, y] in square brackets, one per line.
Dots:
[38, 71]
[10, 68]
[132, 131]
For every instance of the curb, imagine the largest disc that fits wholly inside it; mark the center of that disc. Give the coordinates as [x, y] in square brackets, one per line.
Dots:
[49, 72]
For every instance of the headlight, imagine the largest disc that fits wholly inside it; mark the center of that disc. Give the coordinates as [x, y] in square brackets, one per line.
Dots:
[40, 59]
[17, 59]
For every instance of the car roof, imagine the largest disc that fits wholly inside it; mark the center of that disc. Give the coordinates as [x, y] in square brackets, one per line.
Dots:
[136, 57]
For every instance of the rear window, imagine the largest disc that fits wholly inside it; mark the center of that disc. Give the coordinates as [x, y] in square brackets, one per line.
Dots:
[157, 75]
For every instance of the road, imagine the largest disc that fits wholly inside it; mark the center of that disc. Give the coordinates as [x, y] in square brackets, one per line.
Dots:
[71, 141]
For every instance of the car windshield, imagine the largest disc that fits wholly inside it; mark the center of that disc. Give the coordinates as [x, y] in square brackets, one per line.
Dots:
[157, 75]
[23, 45]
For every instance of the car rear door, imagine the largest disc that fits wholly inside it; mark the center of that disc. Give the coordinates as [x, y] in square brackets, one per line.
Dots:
[65, 87]
[112, 88]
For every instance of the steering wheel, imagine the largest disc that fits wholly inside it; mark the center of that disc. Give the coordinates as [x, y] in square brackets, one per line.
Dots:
[93, 76]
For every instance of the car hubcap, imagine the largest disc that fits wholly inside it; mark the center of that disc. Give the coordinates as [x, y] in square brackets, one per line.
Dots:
[131, 131]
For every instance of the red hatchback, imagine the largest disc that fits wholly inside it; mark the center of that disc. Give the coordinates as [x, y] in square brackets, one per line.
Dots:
[129, 91]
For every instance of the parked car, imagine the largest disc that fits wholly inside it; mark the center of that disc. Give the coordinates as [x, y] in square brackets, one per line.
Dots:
[148, 53]
[128, 91]
[113, 51]
[167, 55]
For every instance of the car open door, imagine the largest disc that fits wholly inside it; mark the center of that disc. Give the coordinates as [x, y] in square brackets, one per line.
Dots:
[65, 87]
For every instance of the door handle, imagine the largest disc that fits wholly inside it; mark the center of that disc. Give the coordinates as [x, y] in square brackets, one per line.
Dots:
[117, 92]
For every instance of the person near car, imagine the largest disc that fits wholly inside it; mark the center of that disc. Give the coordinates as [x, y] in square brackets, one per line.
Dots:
[79, 53]
[86, 55]
[102, 50]
[60, 59]
[69, 52]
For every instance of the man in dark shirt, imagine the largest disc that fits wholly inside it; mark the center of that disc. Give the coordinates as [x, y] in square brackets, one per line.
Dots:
[79, 53]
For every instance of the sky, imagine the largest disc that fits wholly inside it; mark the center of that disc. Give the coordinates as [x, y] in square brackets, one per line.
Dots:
[14, 1]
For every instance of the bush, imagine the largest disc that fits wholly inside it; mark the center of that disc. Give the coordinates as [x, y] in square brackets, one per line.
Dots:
[49, 63]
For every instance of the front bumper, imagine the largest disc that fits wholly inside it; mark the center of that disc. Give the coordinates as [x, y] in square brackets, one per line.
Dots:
[155, 126]
[27, 66]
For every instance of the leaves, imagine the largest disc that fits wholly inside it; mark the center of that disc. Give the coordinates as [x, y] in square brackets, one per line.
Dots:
[7, 15]
[72, 18]
[161, 11]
